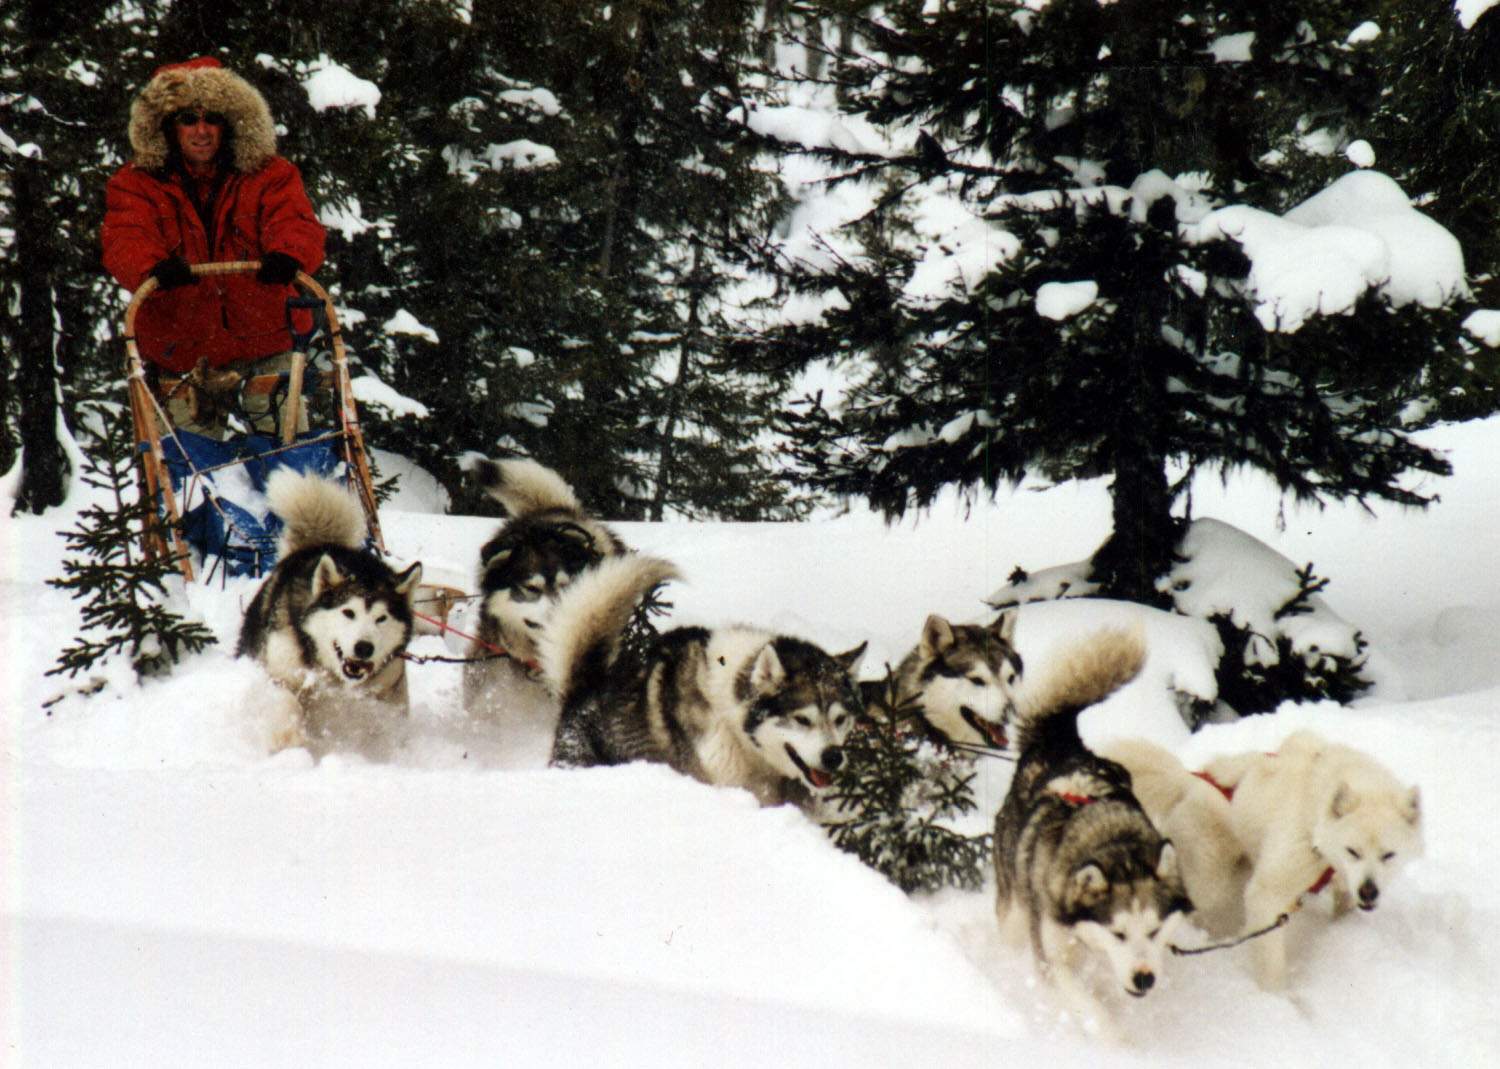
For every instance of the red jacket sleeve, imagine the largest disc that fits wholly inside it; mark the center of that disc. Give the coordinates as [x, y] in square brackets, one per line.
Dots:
[131, 235]
[288, 223]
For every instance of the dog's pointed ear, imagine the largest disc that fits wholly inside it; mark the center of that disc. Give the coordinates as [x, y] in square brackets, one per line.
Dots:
[849, 659]
[1086, 887]
[1344, 800]
[325, 575]
[767, 673]
[1411, 806]
[1166, 863]
[1004, 626]
[937, 635]
[408, 581]
[499, 557]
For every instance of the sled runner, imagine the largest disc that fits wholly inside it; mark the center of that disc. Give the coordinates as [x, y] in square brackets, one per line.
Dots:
[209, 492]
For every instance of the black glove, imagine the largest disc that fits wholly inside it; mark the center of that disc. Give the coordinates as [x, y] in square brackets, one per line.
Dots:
[277, 269]
[173, 272]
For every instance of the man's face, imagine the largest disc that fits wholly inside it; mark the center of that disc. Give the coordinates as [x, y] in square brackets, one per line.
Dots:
[199, 135]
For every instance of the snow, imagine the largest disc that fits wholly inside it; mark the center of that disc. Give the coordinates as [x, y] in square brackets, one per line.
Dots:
[330, 85]
[403, 322]
[175, 896]
[1470, 10]
[1064, 300]
[1358, 234]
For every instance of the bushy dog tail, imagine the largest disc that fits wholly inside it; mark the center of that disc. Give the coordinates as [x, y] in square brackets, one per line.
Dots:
[581, 639]
[315, 510]
[1083, 674]
[522, 486]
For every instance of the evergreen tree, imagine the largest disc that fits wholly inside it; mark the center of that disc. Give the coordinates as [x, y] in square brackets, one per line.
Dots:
[1056, 129]
[60, 88]
[126, 588]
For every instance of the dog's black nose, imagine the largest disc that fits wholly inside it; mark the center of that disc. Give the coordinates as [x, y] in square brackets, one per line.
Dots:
[364, 650]
[833, 757]
[1368, 893]
[1143, 981]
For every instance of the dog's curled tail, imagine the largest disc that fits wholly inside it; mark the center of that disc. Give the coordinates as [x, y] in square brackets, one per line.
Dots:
[1086, 672]
[315, 510]
[522, 486]
[582, 636]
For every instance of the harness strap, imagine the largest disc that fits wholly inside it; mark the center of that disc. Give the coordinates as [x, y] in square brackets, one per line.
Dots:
[1227, 792]
[443, 625]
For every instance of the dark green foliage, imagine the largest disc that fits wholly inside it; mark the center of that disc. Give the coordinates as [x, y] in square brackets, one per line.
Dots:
[1058, 128]
[895, 796]
[126, 592]
[1249, 685]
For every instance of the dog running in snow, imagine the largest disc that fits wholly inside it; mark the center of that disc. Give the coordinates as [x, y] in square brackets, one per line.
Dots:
[546, 541]
[331, 621]
[1314, 814]
[958, 683]
[1077, 862]
[731, 707]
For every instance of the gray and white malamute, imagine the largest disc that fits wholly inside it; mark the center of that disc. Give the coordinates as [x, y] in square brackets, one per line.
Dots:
[1077, 863]
[958, 682]
[546, 540]
[332, 619]
[732, 707]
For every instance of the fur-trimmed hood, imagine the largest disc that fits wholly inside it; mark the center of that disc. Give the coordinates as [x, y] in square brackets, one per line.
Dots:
[202, 83]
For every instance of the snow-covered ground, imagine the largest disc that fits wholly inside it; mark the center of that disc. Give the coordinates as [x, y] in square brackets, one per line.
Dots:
[174, 896]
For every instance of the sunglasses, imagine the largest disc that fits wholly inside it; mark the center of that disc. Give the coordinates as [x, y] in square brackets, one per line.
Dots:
[193, 118]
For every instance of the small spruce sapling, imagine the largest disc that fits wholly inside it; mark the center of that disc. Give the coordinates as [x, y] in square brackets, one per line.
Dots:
[895, 795]
[126, 590]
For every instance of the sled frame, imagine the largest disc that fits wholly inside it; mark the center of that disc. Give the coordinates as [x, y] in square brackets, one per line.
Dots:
[156, 482]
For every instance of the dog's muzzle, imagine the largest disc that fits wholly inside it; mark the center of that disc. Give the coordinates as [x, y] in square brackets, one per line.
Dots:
[831, 760]
[1143, 980]
[359, 667]
[1369, 895]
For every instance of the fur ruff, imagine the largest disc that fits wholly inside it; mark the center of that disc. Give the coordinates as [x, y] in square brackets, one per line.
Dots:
[210, 87]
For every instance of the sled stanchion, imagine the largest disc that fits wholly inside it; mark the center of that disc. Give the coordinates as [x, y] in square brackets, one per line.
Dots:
[155, 481]
[291, 415]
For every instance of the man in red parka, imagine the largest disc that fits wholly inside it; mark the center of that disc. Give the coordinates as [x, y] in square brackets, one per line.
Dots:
[207, 185]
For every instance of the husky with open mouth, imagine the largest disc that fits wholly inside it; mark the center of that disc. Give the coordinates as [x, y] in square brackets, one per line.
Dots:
[957, 684]
[733, 707]
[331, 620]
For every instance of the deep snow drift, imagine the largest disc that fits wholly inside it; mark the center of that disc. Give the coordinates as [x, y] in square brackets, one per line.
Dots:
[174, 895]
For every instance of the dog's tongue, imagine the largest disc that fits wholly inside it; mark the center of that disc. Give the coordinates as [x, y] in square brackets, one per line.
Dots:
[819, 778]
[997, 735]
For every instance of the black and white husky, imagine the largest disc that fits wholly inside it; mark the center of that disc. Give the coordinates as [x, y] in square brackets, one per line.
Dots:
[732, 707]
[958, 683]
[547, 540]
[1077, 862]
[332, 619]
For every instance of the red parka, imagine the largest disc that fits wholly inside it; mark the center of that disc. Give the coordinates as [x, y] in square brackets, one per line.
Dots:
[224, 317]
[261, 207]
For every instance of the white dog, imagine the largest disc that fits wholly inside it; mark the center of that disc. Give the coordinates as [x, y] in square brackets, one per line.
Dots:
[1315, 813]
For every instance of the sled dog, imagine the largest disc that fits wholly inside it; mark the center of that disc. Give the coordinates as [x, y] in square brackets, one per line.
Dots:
[546, 540]
[332, 619]
[1194, 815]
[732, 707]
[1077, 862]
[958, 682]
[1315, 813]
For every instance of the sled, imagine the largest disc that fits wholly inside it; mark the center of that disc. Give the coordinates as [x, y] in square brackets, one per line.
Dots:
[195, 480]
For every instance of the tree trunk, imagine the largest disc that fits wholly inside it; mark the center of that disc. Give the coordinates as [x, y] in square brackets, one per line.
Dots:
[43, 465]
[666, 463]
